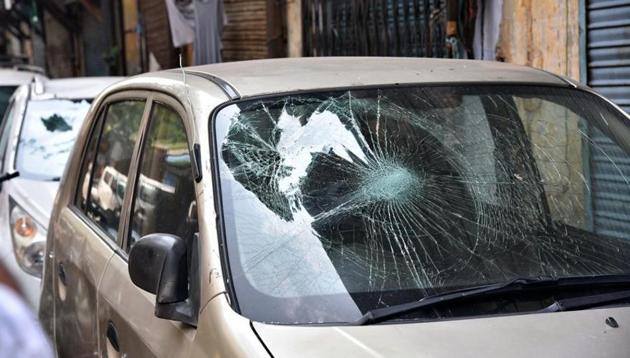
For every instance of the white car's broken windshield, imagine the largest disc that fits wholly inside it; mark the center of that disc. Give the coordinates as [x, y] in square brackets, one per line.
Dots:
[47, 135]
[336, 203]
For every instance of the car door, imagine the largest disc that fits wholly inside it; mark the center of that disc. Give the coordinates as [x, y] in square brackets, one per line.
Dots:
[84, 230]
[162, 201]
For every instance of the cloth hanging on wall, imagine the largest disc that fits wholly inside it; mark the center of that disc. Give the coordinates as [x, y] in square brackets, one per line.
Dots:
[181, 19]
[487, 29]
[209, 18]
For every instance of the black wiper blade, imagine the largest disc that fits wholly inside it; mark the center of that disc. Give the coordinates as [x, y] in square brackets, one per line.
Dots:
[9, 176]
[515, 285]
[578, 303]
[385, 313]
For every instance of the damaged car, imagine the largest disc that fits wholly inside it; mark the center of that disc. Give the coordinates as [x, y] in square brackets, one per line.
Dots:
[344, 207]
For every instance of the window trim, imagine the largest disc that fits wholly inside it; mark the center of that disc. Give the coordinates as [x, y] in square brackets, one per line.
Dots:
[148, 96]
[94, 121]
[94, 127]
[127, 210]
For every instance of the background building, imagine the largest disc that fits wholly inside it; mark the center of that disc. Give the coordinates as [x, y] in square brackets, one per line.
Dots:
[586, 40]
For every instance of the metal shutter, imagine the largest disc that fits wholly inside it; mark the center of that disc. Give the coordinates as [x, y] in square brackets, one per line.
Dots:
[608, 72]
[374, 28]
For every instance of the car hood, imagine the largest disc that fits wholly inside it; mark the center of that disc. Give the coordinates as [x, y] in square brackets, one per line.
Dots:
[562, 334]
[34, 196]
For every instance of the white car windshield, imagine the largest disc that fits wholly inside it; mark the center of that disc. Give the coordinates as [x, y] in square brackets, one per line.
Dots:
[48, 132]
[340, 202]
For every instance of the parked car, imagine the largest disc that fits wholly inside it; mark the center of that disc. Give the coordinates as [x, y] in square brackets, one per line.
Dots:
[11, 78]
[343, 207]
[36, 137]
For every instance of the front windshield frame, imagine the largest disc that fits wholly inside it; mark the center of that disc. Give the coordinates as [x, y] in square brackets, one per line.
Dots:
[18, 136]
[228, 276]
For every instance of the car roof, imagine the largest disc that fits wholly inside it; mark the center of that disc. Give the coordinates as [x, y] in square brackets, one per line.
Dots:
[73, 88]
[11, 77]
[261, 77]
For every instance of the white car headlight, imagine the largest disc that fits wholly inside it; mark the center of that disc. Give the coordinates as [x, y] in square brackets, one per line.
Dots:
[29, 241]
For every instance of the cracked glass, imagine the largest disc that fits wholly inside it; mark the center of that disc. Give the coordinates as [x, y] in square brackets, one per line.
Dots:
[336, 203]
[48, 132]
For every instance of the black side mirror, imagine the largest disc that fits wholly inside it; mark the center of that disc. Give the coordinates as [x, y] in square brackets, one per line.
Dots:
[158, 263]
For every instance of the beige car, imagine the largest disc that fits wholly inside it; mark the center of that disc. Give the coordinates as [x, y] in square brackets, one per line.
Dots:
[344, 207]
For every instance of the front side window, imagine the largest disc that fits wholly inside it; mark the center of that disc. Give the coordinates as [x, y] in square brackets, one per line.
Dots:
[48, 132]
[341, 202]
[164, 194]
[111, 167]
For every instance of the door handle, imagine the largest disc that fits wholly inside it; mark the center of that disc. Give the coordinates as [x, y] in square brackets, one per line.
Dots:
[112, 336]
[61, 272]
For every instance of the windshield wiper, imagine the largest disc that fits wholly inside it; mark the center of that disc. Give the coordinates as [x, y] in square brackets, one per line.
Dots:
[9, 176]
[515, 285]
[576, 303]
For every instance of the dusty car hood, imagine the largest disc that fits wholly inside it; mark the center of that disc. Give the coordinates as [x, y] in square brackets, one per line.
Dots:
[34, 196]
[563, 334]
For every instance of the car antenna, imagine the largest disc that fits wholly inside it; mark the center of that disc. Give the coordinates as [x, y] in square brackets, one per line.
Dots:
[181, 67]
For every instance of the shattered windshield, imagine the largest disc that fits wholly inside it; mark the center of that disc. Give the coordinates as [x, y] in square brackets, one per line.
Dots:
[48, 132]
[340, 202]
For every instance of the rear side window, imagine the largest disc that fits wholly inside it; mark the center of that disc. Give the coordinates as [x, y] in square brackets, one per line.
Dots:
[165, 194]
[103, 198]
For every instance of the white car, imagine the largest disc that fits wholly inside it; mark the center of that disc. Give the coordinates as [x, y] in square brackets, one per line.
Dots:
[37, 134]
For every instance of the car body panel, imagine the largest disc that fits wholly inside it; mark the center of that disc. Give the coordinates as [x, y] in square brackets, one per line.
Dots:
[38, 197]
[11, 77]
[218, 326]
[77, 87]
[561, 334]
[30, 286]
[75, 272]
[144, 335]
[261, 77]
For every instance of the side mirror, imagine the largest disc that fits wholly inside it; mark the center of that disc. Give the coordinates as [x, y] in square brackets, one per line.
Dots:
[158, 263]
